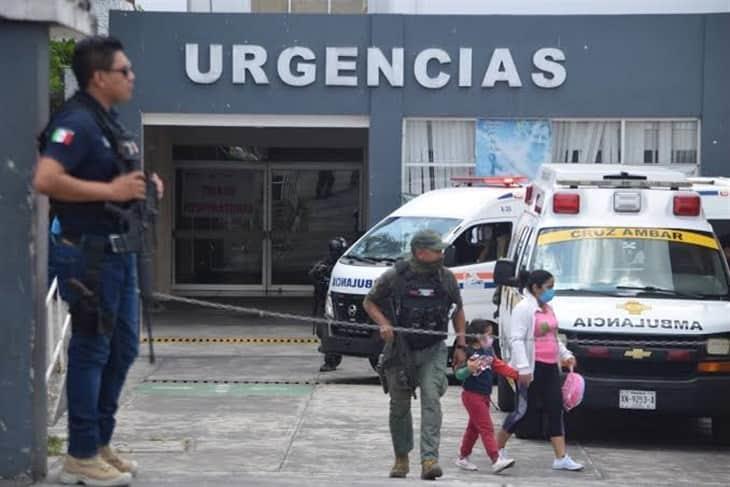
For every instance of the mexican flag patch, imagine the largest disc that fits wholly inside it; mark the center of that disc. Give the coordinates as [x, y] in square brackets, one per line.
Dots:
[62, 136]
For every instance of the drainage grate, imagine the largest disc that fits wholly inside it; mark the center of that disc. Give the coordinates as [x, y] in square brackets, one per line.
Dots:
[237, 340]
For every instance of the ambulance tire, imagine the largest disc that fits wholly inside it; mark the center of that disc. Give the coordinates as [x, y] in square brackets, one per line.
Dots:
[721, 430]
[505, 396]
[532, 426]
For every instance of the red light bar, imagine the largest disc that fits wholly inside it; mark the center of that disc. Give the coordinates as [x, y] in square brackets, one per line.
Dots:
[566, 203]
[687, 205]
[500, 181]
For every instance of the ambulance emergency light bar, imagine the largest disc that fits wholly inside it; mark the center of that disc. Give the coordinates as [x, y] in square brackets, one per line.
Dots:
[624, 180]
[494, 181]
[565, 203]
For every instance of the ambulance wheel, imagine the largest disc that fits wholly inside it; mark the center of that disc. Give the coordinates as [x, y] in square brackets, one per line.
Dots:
[505, 396]
[721, 429]
[531, 426]
[373, 359]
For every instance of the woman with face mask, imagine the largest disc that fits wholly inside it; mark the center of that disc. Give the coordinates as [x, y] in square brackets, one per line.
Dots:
[537, 354]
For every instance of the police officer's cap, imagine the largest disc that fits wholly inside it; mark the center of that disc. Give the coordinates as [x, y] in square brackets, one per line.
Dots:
[427, 239]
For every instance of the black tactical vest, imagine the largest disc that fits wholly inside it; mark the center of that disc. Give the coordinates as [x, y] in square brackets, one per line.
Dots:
[422, 303]
[123, 143]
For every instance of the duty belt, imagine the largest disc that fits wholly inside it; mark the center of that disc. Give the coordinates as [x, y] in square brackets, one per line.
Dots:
[114, 243]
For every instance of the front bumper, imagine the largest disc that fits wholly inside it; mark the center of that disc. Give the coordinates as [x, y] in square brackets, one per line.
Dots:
[698, 396]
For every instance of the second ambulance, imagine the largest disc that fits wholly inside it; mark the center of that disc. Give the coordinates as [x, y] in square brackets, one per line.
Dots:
[476, 219]
[642, 287]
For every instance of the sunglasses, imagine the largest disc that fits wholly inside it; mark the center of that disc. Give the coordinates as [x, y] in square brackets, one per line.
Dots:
[126, 71]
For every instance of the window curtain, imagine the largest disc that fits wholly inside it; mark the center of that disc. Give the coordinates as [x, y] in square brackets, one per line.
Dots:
[661, 142]
[434, 152]
[586, 141]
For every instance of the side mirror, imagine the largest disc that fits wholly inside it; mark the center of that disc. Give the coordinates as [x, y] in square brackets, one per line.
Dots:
[450, 256]
[504, 273]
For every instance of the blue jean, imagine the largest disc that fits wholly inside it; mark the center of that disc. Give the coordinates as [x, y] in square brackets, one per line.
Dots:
[98, 363]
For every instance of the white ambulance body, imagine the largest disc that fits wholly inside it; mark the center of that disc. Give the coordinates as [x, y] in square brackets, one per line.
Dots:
[715, 194]
[642, 293]
[477, 221]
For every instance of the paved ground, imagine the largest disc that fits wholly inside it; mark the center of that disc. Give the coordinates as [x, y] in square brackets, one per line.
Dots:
[272, 419]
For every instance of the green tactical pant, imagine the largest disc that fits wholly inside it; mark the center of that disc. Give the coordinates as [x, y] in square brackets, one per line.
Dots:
[430, 365]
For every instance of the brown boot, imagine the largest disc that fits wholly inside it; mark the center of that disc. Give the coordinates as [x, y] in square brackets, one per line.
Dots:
[430, 469]
[120, 463]
[400, 467]
[92, 472]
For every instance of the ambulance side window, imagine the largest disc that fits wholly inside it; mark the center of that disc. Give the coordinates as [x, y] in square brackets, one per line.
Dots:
[522, 249]
[515, 247]
[485, 242]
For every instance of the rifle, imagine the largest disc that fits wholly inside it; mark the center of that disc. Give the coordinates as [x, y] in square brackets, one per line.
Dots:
[397, 355]
[140, 217]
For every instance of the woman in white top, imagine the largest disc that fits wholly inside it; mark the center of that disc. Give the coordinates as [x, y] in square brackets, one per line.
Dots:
[537, 354]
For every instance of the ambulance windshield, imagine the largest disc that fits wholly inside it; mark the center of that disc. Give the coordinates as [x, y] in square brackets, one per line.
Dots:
[647, 261]
[391, 239]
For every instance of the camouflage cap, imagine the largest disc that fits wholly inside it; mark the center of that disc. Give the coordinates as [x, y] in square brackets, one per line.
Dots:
[427, 239]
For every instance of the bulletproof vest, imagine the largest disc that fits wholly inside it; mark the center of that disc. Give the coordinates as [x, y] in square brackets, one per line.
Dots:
[422, 304]
[122, 142]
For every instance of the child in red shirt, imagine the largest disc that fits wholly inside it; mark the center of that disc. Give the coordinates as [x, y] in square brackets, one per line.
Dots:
[477, 376]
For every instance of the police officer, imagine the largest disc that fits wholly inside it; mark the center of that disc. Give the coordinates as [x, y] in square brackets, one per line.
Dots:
[79, 169]
[418, 293]
[320, 276]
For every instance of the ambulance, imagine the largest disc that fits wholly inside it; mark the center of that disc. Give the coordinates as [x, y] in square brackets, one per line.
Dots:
[476, 217]
[642, 287]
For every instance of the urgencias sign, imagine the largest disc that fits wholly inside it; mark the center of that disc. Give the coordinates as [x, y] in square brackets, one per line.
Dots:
[432, 68]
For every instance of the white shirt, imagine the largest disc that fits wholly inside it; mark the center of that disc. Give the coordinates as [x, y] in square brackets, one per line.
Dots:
[522, 336]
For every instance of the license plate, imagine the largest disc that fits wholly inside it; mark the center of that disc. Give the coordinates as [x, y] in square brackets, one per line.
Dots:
[636, 399]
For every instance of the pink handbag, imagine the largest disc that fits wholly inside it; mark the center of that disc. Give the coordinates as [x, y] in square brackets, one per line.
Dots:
[573, 388]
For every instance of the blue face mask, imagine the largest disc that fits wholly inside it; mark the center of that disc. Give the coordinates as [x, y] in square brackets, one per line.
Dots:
[547, 296]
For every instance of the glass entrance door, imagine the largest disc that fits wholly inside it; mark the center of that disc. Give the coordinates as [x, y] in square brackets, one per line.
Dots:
[252, 228]
[310, 205]
[219, 233]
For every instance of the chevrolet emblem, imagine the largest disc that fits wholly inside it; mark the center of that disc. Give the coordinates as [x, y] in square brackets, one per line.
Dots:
[634, 307]
[637, 354]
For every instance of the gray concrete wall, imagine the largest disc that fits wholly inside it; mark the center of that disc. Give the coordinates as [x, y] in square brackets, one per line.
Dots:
[618, 66]
[716, 97]
[23, 258]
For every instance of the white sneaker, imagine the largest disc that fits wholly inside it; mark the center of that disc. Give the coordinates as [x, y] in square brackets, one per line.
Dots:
[566, 463]
[503, 454]
[465, 464]
[502, 463]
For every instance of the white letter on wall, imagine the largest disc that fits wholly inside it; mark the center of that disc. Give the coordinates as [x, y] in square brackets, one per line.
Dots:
[333, 66]
[192, 67]
[465, 67]
[501, 57]
[306, 72]
[249, 58]
[420, 68]
[377, 63]
[544, 60]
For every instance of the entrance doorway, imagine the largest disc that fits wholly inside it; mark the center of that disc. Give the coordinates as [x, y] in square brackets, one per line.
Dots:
[257, 227]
